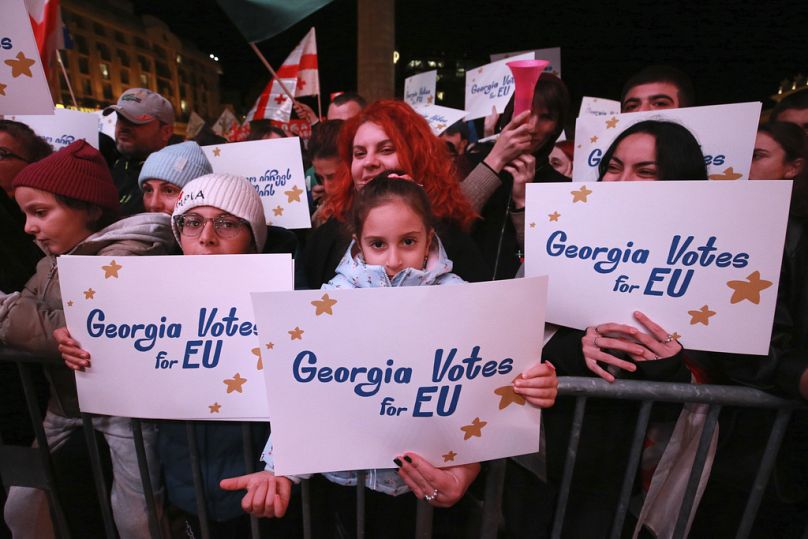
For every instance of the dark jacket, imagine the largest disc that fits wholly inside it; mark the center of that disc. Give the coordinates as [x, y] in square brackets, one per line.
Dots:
[18, 252]
[125, 173]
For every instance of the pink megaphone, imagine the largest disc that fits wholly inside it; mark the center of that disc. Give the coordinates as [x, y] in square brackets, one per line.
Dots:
[525, 75]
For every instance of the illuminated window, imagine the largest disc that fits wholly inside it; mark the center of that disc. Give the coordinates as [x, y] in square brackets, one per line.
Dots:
[104, 68]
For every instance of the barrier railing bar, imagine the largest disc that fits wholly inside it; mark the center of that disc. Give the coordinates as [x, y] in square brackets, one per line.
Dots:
[98, 476]
[569, 466]
[145, 479]
[423, 520]
[494, 488]
[305, 500]
[631, 468]
[196, 472]
[249, 467]
[696, 470]
[360, 504]
[764, 472]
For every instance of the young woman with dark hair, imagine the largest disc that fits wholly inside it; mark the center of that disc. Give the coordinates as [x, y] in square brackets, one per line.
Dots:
[780, 152]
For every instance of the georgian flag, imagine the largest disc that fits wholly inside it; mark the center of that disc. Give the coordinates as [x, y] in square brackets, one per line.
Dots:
[274, 104]
[46, 22]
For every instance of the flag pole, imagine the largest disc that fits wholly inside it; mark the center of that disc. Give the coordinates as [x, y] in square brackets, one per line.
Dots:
[272, 71]
[319, 107]
[67, 80]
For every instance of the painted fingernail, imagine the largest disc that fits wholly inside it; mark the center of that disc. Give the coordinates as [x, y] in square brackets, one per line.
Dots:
[408, 459]
[398, 462]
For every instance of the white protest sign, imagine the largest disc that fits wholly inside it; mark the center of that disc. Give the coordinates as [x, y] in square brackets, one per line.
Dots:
[490, 85]
[419, 90]
[23, 86]
[440, 118]
[726, 134]
[275, 169]
[702, 259]
[375, 372]
[597, 107]
[170, 337]
[552, 55]
[106, 124]
[63, 127]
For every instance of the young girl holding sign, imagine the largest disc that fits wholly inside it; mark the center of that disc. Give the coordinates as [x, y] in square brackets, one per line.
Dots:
[394, 244]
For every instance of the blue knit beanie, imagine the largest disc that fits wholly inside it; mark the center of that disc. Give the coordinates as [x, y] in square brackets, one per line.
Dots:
[176, 164]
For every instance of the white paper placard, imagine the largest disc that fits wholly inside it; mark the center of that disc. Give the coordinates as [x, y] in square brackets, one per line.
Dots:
[195, 353]
[419, 90]
[726, 134]
[490, 85]
[106, 124]
[63, 127]
[597, 107]
[440, 118]
[552, 55]
[702, 259]
[417, 384]
[275, 169]
[23, 87]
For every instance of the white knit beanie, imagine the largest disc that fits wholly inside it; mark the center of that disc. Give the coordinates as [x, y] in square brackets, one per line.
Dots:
[230, 193]
[176, 164]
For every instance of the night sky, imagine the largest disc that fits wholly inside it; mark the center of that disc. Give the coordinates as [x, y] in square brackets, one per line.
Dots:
[734, 51]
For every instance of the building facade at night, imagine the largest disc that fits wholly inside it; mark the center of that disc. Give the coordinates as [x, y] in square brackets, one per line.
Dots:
[114, 49]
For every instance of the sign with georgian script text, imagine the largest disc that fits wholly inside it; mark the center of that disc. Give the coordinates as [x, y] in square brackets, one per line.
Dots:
[701, 259]
[170, 337]
[419, 90]
[726, 134]
[376, 372]
[275, 168]
[490, 85]
[598, 107]
[63, 127]
[440, 118]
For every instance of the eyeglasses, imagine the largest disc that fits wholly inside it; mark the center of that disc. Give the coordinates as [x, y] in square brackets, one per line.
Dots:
[225, 226]
[6, 154]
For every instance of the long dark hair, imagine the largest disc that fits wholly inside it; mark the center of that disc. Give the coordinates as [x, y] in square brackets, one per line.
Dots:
[678, 154]
[382, 189]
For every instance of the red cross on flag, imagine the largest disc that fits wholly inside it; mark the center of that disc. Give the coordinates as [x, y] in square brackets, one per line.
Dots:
[273, 103]
[46, 21]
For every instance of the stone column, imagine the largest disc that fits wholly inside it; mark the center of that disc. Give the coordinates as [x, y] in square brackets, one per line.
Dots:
[375, 43]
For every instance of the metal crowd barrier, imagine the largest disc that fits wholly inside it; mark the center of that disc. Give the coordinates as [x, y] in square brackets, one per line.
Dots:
[33, 467]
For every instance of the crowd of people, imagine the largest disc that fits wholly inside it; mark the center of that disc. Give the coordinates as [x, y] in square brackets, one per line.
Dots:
[394, 205]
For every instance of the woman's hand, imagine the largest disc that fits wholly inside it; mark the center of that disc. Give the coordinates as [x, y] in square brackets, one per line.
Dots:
[441, 487]
[523, 169]
[305, 112]
[513, 140]
[267, 495]
[640, 346]
[73, 355]
[538, 385]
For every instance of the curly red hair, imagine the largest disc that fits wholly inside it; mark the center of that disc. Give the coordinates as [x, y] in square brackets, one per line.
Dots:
[421, 154]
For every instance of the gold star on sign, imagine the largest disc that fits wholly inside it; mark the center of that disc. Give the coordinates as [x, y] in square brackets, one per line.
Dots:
[475, 429]
[429, 100]
[215, 407]
[111, 270]
[257, 351]
[554, 216]
[235, 383]
[580, 146]
[293, 194]
[70, 303]
[277, 211]
[532, 225]
[324, 305]
[89, 294]
[297, 334]
[702, 316]
[581, 194]
[594, 139]
[675, 336]
[749, 289]
[270, 345]
[508, 396]
[611, 123]
[2, 89]
[449, 457]
[216, 152]
[728, 174]
[21, 66]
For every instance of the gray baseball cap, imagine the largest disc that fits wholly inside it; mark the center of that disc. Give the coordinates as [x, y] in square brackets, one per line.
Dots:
[141, 106]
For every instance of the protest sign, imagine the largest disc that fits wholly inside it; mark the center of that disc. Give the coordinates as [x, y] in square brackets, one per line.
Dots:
[726, 134]
[440, 118]
[63, 127]
[552, 55]
[490, 85]
[597, 107]
[702, 259]
[419, 90]
[170, 337]
[275, 168]
[106, 124]
[23, 86]
[375, 372]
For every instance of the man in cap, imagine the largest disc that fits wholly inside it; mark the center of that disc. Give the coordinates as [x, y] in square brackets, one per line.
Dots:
[145, 124]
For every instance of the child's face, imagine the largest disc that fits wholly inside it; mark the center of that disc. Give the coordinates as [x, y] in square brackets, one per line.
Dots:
[160, 196]
[394, 236]
[58, 228]
[373, 152]
[233, 237]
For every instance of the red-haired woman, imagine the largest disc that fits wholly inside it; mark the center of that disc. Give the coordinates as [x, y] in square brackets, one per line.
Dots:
[389, 135]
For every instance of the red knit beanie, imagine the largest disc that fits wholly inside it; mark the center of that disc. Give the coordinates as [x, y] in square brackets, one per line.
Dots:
[76, 171]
